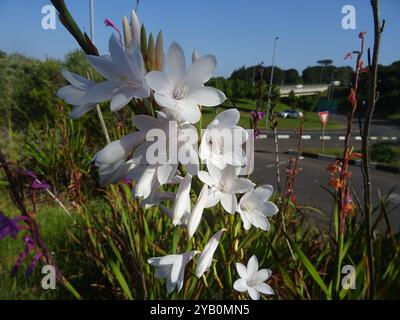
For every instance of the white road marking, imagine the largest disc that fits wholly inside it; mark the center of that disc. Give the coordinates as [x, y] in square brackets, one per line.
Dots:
[283, 136]
[325, 137]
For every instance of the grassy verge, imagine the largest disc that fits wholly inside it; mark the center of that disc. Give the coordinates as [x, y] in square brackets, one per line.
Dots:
[392, 160]
[311, 122]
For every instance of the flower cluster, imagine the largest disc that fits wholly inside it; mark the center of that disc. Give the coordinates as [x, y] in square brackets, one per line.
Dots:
[166, 148]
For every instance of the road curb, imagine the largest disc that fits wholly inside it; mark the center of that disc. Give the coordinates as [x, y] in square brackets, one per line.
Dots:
[325, 157]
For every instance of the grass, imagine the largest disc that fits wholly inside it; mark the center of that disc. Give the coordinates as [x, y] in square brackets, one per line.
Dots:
[245, 106]
[60, 233]
[338, 152]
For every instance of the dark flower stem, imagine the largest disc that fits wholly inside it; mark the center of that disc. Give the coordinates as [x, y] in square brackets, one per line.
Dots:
[372, 98]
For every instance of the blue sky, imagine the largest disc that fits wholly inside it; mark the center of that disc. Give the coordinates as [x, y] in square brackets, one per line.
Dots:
[238, 32]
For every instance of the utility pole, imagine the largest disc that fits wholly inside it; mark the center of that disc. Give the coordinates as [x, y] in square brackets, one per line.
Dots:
[271, 78]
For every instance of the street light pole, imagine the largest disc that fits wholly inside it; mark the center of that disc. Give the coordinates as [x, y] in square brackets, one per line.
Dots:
[271, 78]
[91, 8]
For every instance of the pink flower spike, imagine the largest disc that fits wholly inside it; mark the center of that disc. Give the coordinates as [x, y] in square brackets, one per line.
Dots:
[111, 24]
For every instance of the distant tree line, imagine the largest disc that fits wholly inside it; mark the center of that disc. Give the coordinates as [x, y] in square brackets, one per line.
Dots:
[28, 87]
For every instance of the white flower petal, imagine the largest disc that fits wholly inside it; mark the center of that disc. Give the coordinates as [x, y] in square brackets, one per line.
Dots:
[214, 196]
[189, 110]
[241, 185]
[264, 288]
[197, 212]
[104, 66]
[228, 118]
[176, 62]
[71, 95]
[121, 99]
[206, 178]
[77, 80]
[118, 55]
[166, 172]
[145, 123]
[101, 92]
[200, 72]
[229, 202]
[262, 275]
[165, 101]
[119, 149]
[240, 285]
[79, 111]
[270, 208]
[252, 266]
[264, 192]
[182, 195]
[242, 270]
[207, 96]
[160, 82]
[254, 294]
[176, 268]
[144, 186]
[205, 260]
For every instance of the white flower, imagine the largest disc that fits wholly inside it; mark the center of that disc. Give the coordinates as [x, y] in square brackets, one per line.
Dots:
[197, 212]
[75, 93]
[180, 92]
[222, 141]
[205, 260]
[254, 208]
[111, 160]
[223, 186]
[155, 198]
[124, 71]
[181, 206]
[167, 144]
[252, 279]
[172, 268]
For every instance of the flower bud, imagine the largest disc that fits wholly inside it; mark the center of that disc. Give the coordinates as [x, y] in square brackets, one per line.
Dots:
[135, 28]
[159, 52]
[127, 32]
[151, 53]
[195, 55]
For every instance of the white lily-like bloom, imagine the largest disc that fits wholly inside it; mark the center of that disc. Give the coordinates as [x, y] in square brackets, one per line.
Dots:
[205, 260]
[222, 141]
[181, 91]
[172, 268]
[181, 206]
[111, 160]
[254, 208]
[197, 212]
[167, 144]
[155, 198]
[252, 279]
[125, 73]
[75, 93]
[224, 184]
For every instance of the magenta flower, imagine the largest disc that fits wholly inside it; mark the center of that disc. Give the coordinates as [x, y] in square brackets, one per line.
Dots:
[257, 115]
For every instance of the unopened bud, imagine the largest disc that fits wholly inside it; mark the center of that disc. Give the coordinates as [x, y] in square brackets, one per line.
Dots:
[135, 28]
[143, 41]
[151, 53]
[195, 55]
[127, 32]
[159, 53]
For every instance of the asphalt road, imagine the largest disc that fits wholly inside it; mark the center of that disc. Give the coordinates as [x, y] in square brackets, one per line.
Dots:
[314, 174]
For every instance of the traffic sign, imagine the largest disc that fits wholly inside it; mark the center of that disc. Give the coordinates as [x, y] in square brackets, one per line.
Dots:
[323, 116]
